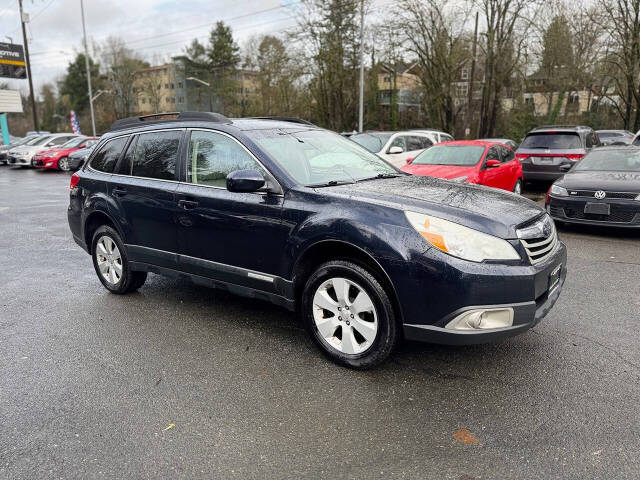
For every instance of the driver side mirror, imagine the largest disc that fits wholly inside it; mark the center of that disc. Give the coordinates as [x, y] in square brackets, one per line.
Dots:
[245, 181]
[492, 163]
[395, 150]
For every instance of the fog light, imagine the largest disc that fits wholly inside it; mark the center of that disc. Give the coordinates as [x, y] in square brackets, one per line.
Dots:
[482, 318]
[49, 164]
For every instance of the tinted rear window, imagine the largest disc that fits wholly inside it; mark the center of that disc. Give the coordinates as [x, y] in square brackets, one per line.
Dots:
[552, 141]
[156, 155]
[105, 159]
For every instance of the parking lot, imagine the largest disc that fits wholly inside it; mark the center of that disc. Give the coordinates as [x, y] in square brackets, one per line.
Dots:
[182, 381]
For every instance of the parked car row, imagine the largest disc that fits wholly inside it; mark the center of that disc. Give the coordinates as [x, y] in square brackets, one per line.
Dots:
[48, 151]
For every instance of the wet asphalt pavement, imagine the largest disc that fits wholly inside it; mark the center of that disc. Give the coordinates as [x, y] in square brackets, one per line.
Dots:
[179, 381]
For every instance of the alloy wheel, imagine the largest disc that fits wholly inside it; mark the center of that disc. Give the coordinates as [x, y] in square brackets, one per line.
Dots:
[109, 260]
[63, 164]
[345, 316]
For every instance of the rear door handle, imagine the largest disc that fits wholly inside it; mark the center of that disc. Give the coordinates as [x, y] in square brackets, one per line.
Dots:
[119, 192]
[187, 204]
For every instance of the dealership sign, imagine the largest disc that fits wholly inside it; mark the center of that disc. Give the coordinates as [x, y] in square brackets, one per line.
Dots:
[12, 61]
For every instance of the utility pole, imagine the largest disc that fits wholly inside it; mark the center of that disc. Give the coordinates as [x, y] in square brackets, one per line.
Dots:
[28, 61]
[361, 109]
[473, 71]
[86, 63]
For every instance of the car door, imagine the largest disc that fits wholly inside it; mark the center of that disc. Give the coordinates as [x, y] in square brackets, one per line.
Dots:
[234, 237]
[512, 168]
[142, 192]
[492, 176]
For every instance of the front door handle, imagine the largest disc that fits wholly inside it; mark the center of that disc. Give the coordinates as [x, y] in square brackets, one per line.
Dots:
[119, 192]
[187, 204]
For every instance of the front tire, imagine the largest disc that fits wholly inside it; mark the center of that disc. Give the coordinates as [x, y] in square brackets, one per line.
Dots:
[349, 315]
[63, 164]
[111, 264]
[517, 188]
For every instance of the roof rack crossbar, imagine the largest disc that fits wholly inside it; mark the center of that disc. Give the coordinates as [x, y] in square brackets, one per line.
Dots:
[168, 117]
[560, 126]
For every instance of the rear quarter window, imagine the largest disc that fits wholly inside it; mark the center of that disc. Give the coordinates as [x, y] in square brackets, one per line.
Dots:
[105, 159]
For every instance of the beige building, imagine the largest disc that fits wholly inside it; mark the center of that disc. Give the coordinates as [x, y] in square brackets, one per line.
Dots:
[406, 83]
[160, 89]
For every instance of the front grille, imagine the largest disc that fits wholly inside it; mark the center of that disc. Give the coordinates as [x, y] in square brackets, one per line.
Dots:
[591, 193]
[538, 239]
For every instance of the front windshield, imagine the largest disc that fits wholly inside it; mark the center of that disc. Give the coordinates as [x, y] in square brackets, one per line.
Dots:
[372, 141]
[74, 142]
[458, 155]
[620, 160]
[320, 157]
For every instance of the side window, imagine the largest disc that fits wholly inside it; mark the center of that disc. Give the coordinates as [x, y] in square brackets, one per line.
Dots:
[399, 141]
[105, 159]
[445, 138]
[636, 142]
[126, 163]
[493, 154]
[417, 143]
[156, 155]
[58, 140]
[507, 154]
[212, 156]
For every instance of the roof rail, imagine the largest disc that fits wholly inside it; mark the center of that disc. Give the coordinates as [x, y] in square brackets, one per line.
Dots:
[284, 119]
[168, 117]
[559, 126]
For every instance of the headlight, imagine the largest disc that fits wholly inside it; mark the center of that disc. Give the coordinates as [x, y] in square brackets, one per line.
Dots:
[559, 191]
[459, 241]
[460, 179]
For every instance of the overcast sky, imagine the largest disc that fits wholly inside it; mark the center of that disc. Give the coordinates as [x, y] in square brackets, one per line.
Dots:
[155, 29]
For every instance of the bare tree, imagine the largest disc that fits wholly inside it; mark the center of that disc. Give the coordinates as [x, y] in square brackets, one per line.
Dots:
[620, 19]
[433, 32]
[120, 67]
[507, 24]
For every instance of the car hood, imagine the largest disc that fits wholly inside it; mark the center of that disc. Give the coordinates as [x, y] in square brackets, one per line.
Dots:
[440, 171]
[493, 211]
[607, 181]
[50, 152]
[28, 149]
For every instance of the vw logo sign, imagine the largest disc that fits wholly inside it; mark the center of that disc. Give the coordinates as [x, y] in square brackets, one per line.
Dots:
[600, 194]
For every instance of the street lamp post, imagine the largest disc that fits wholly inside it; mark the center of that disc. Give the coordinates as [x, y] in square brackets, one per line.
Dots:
[206, 84]
[86, 64]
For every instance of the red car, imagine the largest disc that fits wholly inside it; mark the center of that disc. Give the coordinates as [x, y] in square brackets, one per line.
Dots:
[472, 161]
[58, 158]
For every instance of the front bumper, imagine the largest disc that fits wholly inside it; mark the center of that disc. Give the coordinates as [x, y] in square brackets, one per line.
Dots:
[19, 161]
[507, 281]
[48, 163]
[624, 213]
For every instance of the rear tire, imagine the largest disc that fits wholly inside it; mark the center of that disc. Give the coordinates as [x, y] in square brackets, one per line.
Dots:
[111, 263]
[349, 315]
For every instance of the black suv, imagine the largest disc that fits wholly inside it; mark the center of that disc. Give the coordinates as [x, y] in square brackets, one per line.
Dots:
[281, 210]
[547, 152]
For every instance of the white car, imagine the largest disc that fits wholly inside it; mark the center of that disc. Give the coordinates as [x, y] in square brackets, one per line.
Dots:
[399, 147]
[21, 156]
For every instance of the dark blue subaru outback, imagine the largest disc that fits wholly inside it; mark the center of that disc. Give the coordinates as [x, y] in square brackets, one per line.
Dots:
[282, 210]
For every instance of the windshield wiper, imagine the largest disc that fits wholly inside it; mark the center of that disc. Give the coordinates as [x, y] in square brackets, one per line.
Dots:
[380, 175]
[330, 183]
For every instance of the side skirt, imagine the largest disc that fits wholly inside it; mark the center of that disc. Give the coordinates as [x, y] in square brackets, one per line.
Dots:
[243, 291]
